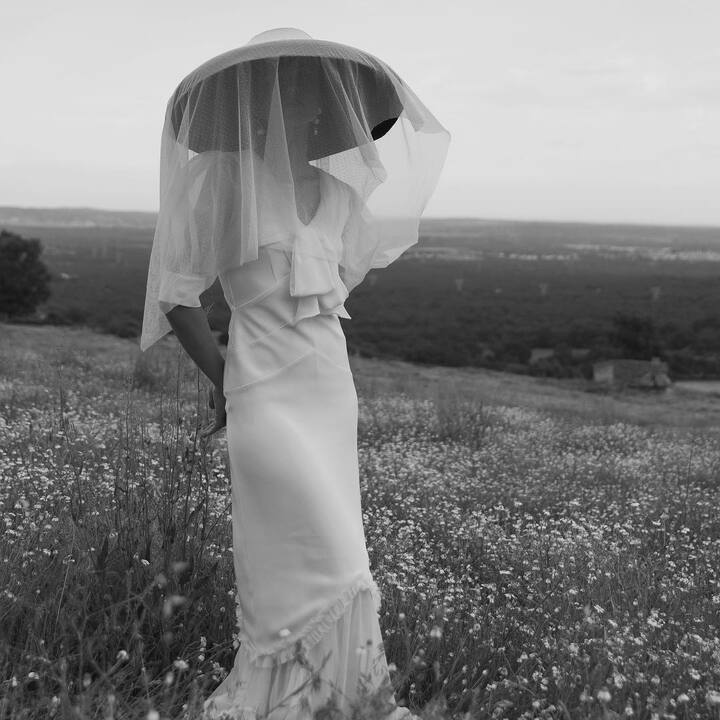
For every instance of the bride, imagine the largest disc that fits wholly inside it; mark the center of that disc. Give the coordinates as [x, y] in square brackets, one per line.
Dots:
[288, 241]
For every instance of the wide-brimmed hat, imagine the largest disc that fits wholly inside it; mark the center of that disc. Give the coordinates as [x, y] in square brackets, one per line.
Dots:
[254, 121]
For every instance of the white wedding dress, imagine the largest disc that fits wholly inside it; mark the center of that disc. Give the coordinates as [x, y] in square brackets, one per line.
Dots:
[301, 562]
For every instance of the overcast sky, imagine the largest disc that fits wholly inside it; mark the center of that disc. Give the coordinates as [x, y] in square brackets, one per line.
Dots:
[602, 110]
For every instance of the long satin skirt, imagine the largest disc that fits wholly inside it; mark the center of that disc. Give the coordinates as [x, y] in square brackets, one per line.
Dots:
[306, 598]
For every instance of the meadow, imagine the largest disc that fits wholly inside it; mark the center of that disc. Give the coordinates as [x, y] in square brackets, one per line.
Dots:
[558, 558]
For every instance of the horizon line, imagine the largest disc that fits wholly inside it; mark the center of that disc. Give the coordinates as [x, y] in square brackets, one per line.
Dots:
[476, 218]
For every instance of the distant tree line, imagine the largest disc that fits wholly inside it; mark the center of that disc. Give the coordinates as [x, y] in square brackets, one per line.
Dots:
[418, 312]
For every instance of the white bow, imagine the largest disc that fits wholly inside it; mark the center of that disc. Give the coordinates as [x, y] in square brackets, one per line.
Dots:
[314, 277]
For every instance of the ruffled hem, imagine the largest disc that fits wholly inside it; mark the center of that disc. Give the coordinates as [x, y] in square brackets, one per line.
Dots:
[312, 632]
[346, 664]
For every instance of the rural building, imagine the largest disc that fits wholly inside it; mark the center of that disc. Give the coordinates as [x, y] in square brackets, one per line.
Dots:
[632, 373]
[539, 353]
[486, 353]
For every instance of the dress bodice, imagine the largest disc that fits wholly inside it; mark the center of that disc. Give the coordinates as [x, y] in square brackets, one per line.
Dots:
[285, 305]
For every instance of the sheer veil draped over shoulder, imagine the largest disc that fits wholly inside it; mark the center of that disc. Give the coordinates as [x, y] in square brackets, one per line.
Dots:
[231, 124]
[249, 138]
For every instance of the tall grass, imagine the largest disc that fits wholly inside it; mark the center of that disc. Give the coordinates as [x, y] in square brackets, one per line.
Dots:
[530, 565]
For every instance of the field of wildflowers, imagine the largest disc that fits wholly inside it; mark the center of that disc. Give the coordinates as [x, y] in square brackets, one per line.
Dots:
[531, 565]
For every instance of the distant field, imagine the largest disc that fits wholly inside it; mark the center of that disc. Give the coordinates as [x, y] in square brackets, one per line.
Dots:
[467, 285]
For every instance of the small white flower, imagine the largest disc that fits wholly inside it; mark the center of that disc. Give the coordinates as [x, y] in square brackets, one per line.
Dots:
[180, 664]
[603, 695]
[284, 632]
[122, 655]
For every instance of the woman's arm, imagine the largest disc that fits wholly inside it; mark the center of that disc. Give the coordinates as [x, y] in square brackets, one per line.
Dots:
[193, 331]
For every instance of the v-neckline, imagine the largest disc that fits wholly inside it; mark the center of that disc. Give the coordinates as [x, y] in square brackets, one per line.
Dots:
[320, 203]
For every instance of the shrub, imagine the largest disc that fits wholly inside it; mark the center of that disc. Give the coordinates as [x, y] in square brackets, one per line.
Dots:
[24, 278]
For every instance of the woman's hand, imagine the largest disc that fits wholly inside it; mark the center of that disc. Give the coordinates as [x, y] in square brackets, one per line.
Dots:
[217, 403]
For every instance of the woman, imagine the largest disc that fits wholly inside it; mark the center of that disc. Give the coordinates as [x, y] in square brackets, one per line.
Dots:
[288, 240]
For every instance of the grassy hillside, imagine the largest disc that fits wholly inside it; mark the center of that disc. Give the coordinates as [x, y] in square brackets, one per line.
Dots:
[541, 551]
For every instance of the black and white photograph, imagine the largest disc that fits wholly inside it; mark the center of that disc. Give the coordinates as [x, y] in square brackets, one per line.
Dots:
[360, 360]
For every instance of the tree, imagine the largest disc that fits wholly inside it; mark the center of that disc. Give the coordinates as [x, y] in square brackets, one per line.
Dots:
[563, 353]
[515, 349]
[636, 336]
[543, 337]
[24, 278]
